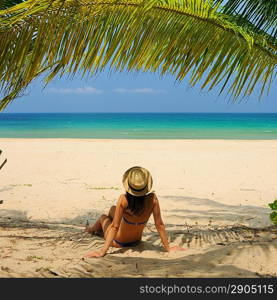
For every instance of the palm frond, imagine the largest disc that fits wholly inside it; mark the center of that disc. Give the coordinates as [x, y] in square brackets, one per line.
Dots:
[4, 4]
[261, 13]
[182, 38]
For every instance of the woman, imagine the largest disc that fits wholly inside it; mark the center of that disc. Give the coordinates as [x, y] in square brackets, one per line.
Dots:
[124, 224]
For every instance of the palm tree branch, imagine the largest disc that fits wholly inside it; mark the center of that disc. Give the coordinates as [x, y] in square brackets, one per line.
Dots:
[4, 4]
[218, 20]
[171, 38]
[261, 13]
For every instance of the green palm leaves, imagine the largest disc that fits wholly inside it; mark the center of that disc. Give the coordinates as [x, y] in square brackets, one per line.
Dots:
[262, 13]
[4, 4]
[273, 215]
[179, 37]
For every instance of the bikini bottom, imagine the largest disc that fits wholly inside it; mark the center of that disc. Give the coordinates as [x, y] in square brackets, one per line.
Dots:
[128, 244]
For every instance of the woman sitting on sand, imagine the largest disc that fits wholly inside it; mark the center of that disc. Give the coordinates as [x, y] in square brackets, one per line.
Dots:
[124, 224]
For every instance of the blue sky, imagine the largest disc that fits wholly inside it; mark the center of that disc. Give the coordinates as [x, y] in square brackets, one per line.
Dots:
[132, 92]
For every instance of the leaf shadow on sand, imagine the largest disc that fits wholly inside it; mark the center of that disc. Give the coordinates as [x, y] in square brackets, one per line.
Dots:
[213, 250]
[215, 211]
[211, 263]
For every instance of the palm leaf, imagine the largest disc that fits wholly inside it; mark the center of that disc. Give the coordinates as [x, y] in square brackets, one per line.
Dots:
[261, 13]
[182, 38]
[4, 4]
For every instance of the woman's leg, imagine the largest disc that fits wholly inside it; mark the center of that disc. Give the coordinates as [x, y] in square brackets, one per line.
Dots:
[97, 227]
[106, 223]
[112, 212]
[106, 220]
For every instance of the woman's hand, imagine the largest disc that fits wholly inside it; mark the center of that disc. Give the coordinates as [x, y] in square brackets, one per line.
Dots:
[95, 254]
[176, 248]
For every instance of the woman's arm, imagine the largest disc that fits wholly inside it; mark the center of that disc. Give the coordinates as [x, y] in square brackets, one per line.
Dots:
[159, 223]
[121, 205]
[160, 226]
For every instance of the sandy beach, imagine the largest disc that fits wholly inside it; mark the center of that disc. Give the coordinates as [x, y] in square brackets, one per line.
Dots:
[213, 194]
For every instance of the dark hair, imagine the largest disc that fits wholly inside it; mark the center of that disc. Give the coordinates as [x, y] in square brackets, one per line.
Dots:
[136, 204]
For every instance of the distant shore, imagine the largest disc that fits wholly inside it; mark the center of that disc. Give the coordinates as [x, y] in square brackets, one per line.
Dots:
[213, 196]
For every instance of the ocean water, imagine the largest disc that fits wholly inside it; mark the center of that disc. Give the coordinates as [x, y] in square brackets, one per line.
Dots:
[139, 125]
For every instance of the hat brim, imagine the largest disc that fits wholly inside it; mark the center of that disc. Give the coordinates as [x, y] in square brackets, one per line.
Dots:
[133, 192]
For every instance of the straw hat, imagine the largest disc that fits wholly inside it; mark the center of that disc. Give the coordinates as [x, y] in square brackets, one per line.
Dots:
[137, 181]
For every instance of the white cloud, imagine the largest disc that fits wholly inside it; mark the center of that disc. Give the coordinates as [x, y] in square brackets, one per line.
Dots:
[84, 90]
[138, 91]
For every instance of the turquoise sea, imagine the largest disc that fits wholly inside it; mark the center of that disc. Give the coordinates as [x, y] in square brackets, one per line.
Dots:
[139, 125]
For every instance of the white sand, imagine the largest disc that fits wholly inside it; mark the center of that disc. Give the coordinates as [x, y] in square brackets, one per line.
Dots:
[213, 196]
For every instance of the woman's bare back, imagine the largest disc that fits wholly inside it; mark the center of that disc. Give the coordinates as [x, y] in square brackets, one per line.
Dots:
[131, 226]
